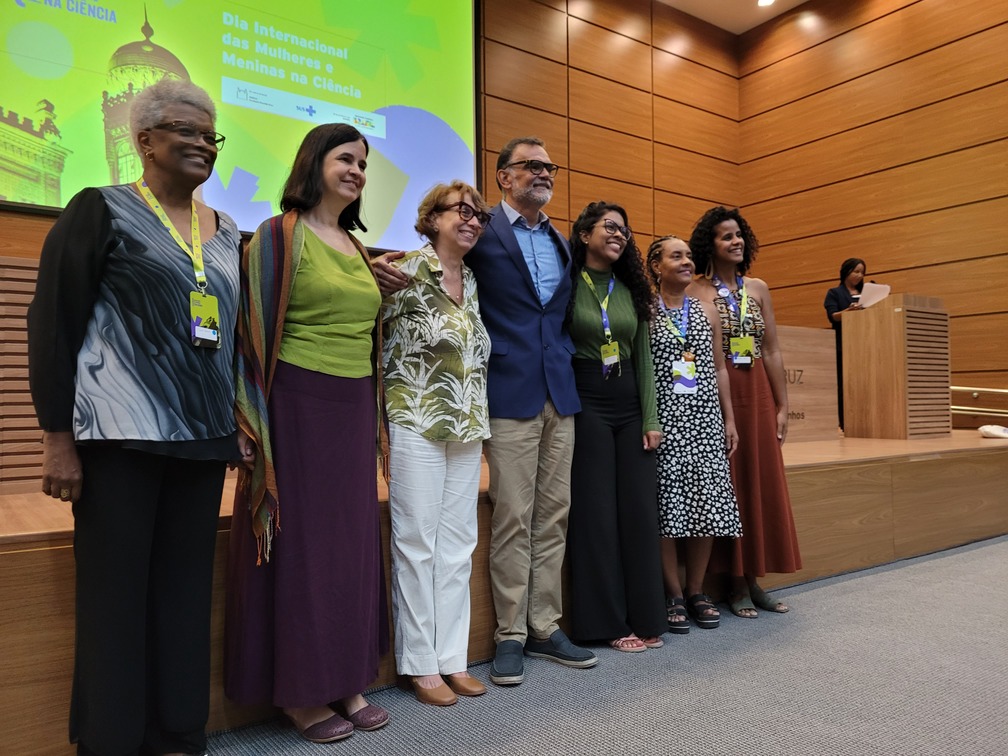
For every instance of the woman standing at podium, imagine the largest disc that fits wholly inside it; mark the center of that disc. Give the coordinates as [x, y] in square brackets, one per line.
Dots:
[724, 247]
[841, 299]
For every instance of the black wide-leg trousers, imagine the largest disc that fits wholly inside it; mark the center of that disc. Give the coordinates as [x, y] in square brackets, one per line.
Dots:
[144, 534]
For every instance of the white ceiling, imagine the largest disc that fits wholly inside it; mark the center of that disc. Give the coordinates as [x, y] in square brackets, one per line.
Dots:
[736, 16]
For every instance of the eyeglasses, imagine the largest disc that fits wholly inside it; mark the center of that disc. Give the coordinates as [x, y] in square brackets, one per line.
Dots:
[535, 167]
[191, 133]
[467, 212]
[611, 227]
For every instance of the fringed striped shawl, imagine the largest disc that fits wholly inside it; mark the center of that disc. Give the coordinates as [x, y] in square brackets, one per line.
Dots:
[267, 277]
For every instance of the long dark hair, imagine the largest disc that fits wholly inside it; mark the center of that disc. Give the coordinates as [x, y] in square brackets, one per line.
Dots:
[303, 189]
[628, 268]
[701, 241]
[847, 267]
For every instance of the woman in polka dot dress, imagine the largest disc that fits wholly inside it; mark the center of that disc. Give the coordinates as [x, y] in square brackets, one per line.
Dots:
[696, 502]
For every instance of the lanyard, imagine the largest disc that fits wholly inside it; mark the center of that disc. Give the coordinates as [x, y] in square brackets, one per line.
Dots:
[603, 303]
[680, 330]
[733, 303]
[196, 255]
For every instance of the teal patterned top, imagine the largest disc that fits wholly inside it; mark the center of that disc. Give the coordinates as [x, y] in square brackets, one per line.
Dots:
[435, 354]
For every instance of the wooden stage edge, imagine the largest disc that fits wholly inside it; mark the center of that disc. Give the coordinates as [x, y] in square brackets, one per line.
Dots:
[857, 503]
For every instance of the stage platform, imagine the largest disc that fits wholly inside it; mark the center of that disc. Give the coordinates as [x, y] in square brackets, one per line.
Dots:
[857, 503]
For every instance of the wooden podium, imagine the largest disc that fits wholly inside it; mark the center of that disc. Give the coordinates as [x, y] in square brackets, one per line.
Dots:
[897, 369]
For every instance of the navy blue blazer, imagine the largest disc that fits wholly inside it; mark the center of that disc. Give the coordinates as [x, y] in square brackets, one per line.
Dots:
[531, 352]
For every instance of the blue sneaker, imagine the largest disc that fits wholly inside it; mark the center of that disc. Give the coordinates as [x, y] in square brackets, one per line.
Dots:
[558, 648]
[508, 665]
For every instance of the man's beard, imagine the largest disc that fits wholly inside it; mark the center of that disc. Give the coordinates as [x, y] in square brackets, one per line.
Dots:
[539, 195]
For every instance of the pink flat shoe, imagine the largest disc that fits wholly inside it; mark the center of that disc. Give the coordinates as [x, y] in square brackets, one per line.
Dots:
[630, 644]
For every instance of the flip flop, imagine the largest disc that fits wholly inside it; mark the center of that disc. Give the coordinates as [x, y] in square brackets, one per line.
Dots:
[766, 601]
[630, 644]
[741, 604]
[653, 642]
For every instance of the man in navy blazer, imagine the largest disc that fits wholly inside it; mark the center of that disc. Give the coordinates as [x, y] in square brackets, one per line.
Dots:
[522, 268]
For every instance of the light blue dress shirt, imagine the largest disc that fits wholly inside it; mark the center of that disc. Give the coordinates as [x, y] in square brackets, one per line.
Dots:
[540, 253]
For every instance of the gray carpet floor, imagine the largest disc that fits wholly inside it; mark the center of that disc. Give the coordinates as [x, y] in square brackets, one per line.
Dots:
[909, 658]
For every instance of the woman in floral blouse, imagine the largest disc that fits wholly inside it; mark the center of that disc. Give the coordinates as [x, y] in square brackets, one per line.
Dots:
[435, 354]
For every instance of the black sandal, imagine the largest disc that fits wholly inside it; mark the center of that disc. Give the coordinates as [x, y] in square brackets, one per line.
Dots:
[697, 605]
[675, 607]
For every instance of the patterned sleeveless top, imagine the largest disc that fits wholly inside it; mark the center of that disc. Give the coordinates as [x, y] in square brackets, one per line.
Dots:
[731, 328]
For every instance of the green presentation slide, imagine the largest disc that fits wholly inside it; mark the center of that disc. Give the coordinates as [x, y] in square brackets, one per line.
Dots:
[401, 71]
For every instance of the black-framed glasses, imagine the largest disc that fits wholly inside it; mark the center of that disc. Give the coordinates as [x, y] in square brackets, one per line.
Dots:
[467, 212]
[192, 133]
[611, 227]
[535, 167]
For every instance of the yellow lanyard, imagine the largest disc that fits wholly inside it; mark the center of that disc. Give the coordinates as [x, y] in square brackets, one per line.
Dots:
[603, 303]
[196, 254]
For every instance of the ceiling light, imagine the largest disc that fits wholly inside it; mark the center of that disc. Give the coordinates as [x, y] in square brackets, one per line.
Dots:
[764, 2]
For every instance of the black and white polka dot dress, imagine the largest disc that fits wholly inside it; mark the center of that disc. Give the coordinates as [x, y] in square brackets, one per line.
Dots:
[695, 495]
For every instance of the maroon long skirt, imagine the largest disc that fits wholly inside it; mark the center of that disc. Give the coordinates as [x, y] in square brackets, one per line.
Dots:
[769, 542]
[308, 627]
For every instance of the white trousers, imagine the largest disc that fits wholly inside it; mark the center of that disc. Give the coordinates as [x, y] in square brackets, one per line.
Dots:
[433, 489]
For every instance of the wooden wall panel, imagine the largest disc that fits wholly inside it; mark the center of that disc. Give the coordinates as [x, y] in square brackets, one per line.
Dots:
[676, 214]
[697, 130]
[974, 343]
[970, 175]
[842, 516]
[637, 200]
[606, 103]
[529, 26]
[506, 120]
[965, 121]
[608, 54]
[520, 77]
[685, 81]
[23, 233]
[945, 72]
[698, 176]
[809, 24]
[976, 509]
[981, 378]
[912, 31]
[611, 154]
[631, 18]
[690, 38]
[955, 233]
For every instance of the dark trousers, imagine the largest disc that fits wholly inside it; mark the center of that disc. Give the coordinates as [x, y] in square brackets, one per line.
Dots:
[144, 534]
[612, 536]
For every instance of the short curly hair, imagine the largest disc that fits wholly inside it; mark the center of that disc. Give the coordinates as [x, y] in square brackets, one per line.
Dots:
[628, 268]
[147, 108]
[701, 241]
[435, 201]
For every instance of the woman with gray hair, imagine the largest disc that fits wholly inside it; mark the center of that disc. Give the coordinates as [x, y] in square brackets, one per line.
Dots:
[131, 354]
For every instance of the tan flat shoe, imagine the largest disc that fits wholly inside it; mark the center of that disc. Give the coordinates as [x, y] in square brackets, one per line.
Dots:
[465, 686]
[442, 695]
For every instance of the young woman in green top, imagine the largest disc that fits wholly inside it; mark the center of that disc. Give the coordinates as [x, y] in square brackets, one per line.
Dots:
[612, 542]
